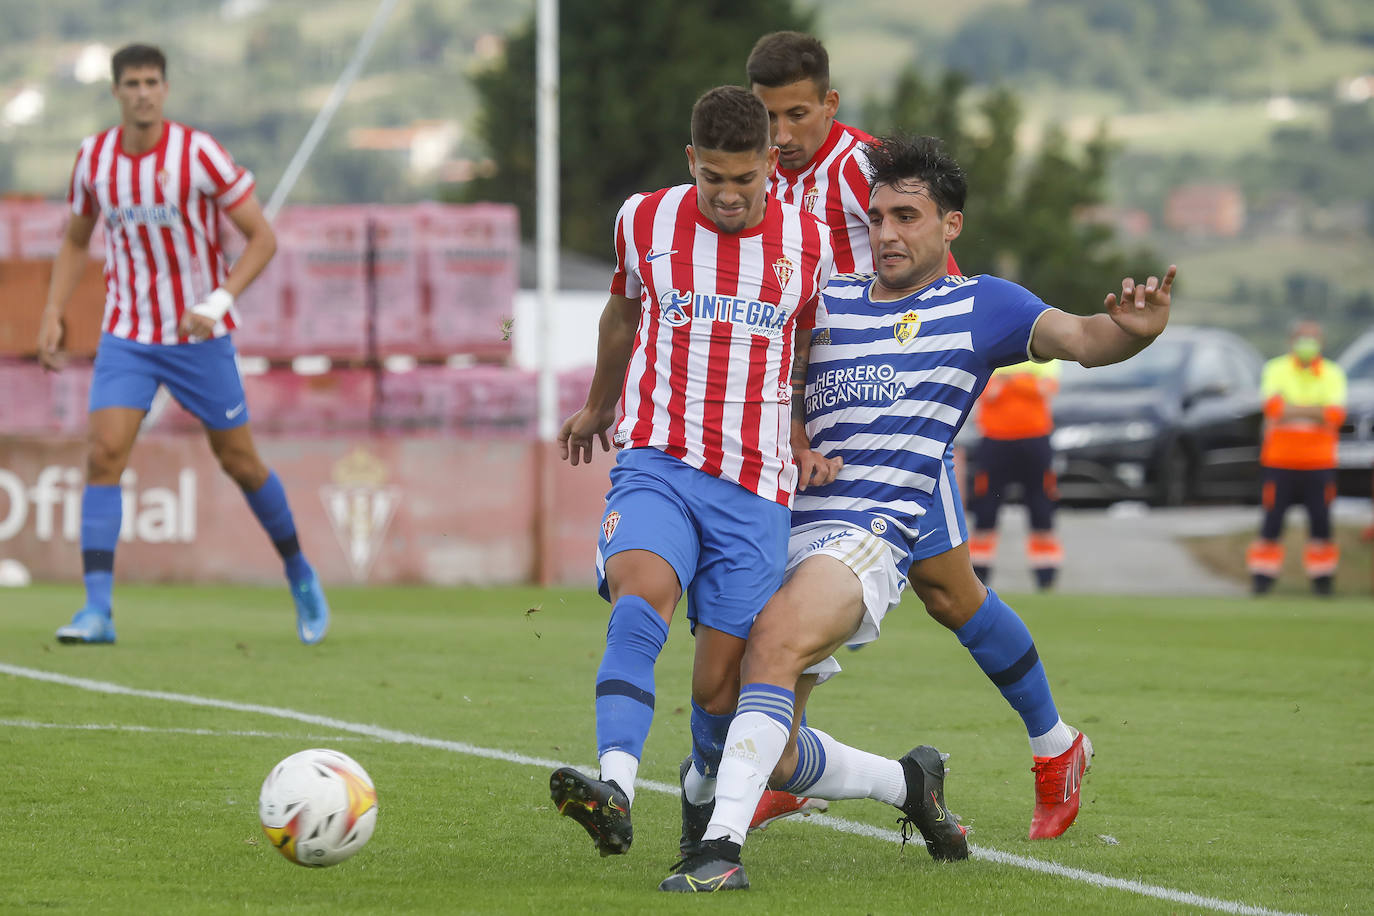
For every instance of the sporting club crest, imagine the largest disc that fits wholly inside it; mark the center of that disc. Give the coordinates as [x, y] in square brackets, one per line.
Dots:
[906, 327]
[809, 200]
[360, 508]
[608, 524]
[783, 268]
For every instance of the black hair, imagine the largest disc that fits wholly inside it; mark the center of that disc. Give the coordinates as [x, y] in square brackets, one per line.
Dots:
[898, 160]
[783, 58]
[137, 55]
[730, 119]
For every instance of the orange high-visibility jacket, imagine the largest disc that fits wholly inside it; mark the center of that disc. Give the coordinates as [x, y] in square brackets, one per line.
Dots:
[1016, 402]
[1301, 445]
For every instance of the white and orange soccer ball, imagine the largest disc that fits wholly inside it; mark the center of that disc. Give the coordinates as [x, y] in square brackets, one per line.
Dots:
[318, 807]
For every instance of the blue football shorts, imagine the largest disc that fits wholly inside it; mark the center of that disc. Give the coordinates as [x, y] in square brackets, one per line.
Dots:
[203, 377]
[942, 527]
[727, 545]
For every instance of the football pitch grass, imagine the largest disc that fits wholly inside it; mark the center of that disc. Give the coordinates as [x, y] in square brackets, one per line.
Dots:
[1234, 768]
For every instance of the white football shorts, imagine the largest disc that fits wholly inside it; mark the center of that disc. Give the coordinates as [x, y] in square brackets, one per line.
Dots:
[871, 558]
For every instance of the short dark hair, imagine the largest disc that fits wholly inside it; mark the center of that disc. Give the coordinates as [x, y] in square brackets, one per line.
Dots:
[730, 119]
[784, 58]
[137, 55]
[897, 160]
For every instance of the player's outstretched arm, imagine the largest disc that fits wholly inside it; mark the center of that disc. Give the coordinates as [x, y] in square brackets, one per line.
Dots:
[1131, 322]
[614, 345]
[67, 268]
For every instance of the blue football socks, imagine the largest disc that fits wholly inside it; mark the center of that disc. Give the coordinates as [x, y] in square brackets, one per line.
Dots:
[102, 512]
[708, 739]
[625, 680]
[269, 504]
[1002, 646]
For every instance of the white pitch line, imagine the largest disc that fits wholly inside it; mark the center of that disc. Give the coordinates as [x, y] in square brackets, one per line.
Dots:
[821, 820]
[160, 730]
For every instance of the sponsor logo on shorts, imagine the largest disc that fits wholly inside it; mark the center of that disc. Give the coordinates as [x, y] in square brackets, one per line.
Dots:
[609, 523]
[233, 412]
[827, 539]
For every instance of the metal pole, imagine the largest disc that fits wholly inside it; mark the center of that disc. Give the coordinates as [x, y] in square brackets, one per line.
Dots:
[546, 191]
[546, 253]
[326, 113]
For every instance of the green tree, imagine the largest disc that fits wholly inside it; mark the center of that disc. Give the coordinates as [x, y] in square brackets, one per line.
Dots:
[629, 72]
[1026, 226]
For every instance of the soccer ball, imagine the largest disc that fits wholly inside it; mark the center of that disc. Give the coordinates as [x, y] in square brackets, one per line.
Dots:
[318, 807]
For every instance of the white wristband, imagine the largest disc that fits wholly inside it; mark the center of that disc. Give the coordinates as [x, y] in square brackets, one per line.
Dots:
[216, 305]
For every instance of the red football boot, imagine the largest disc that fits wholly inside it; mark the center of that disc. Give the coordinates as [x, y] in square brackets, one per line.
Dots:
[776, 805]
[1058, 781]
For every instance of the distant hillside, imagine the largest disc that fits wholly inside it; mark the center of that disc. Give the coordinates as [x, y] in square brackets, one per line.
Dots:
[1269, 97]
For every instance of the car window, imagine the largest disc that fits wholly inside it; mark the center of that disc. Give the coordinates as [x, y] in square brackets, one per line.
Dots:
[1150, 368]
[1208, 370]
[1358, 358]
[1362, 368]
[1243, 371]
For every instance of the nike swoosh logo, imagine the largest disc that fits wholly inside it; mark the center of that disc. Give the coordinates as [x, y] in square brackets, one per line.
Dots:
[234, 412]
[936, 803]
[713, 883]
[924, 536]
[654, 255]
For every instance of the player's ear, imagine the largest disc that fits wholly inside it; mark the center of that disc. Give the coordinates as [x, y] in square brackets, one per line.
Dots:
[691, 161]
[772, 158]
[954, 224]
[830, 103]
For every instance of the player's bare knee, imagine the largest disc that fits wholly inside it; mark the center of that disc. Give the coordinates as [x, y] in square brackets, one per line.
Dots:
[950, 603]
[717, 699]
[939, 604]
[105, 460]
[244, 468]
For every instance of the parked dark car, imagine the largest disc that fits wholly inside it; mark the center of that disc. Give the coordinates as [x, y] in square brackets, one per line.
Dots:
[1177, 422]
[1355, 453]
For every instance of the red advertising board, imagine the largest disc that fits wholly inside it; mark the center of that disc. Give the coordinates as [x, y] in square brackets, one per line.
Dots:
[326, 272]
[470, 270]
[418, 510]
[37, 228]
[401, 316]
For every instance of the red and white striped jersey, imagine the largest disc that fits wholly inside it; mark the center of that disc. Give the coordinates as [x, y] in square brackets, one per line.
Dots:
[161, 213]
[709, 377]
[834, 187]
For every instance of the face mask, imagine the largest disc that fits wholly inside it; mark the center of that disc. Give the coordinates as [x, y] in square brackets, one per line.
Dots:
[1307, 348]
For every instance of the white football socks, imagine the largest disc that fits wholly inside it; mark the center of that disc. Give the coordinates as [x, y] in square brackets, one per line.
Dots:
[696, 788]
[852, 773]
[1055, 741]
[752, 748]
[623, 768]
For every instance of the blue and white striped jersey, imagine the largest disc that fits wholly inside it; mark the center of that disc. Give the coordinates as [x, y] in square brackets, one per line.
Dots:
[889, 385]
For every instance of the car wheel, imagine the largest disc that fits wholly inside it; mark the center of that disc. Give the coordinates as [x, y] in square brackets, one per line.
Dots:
[1174, 484]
